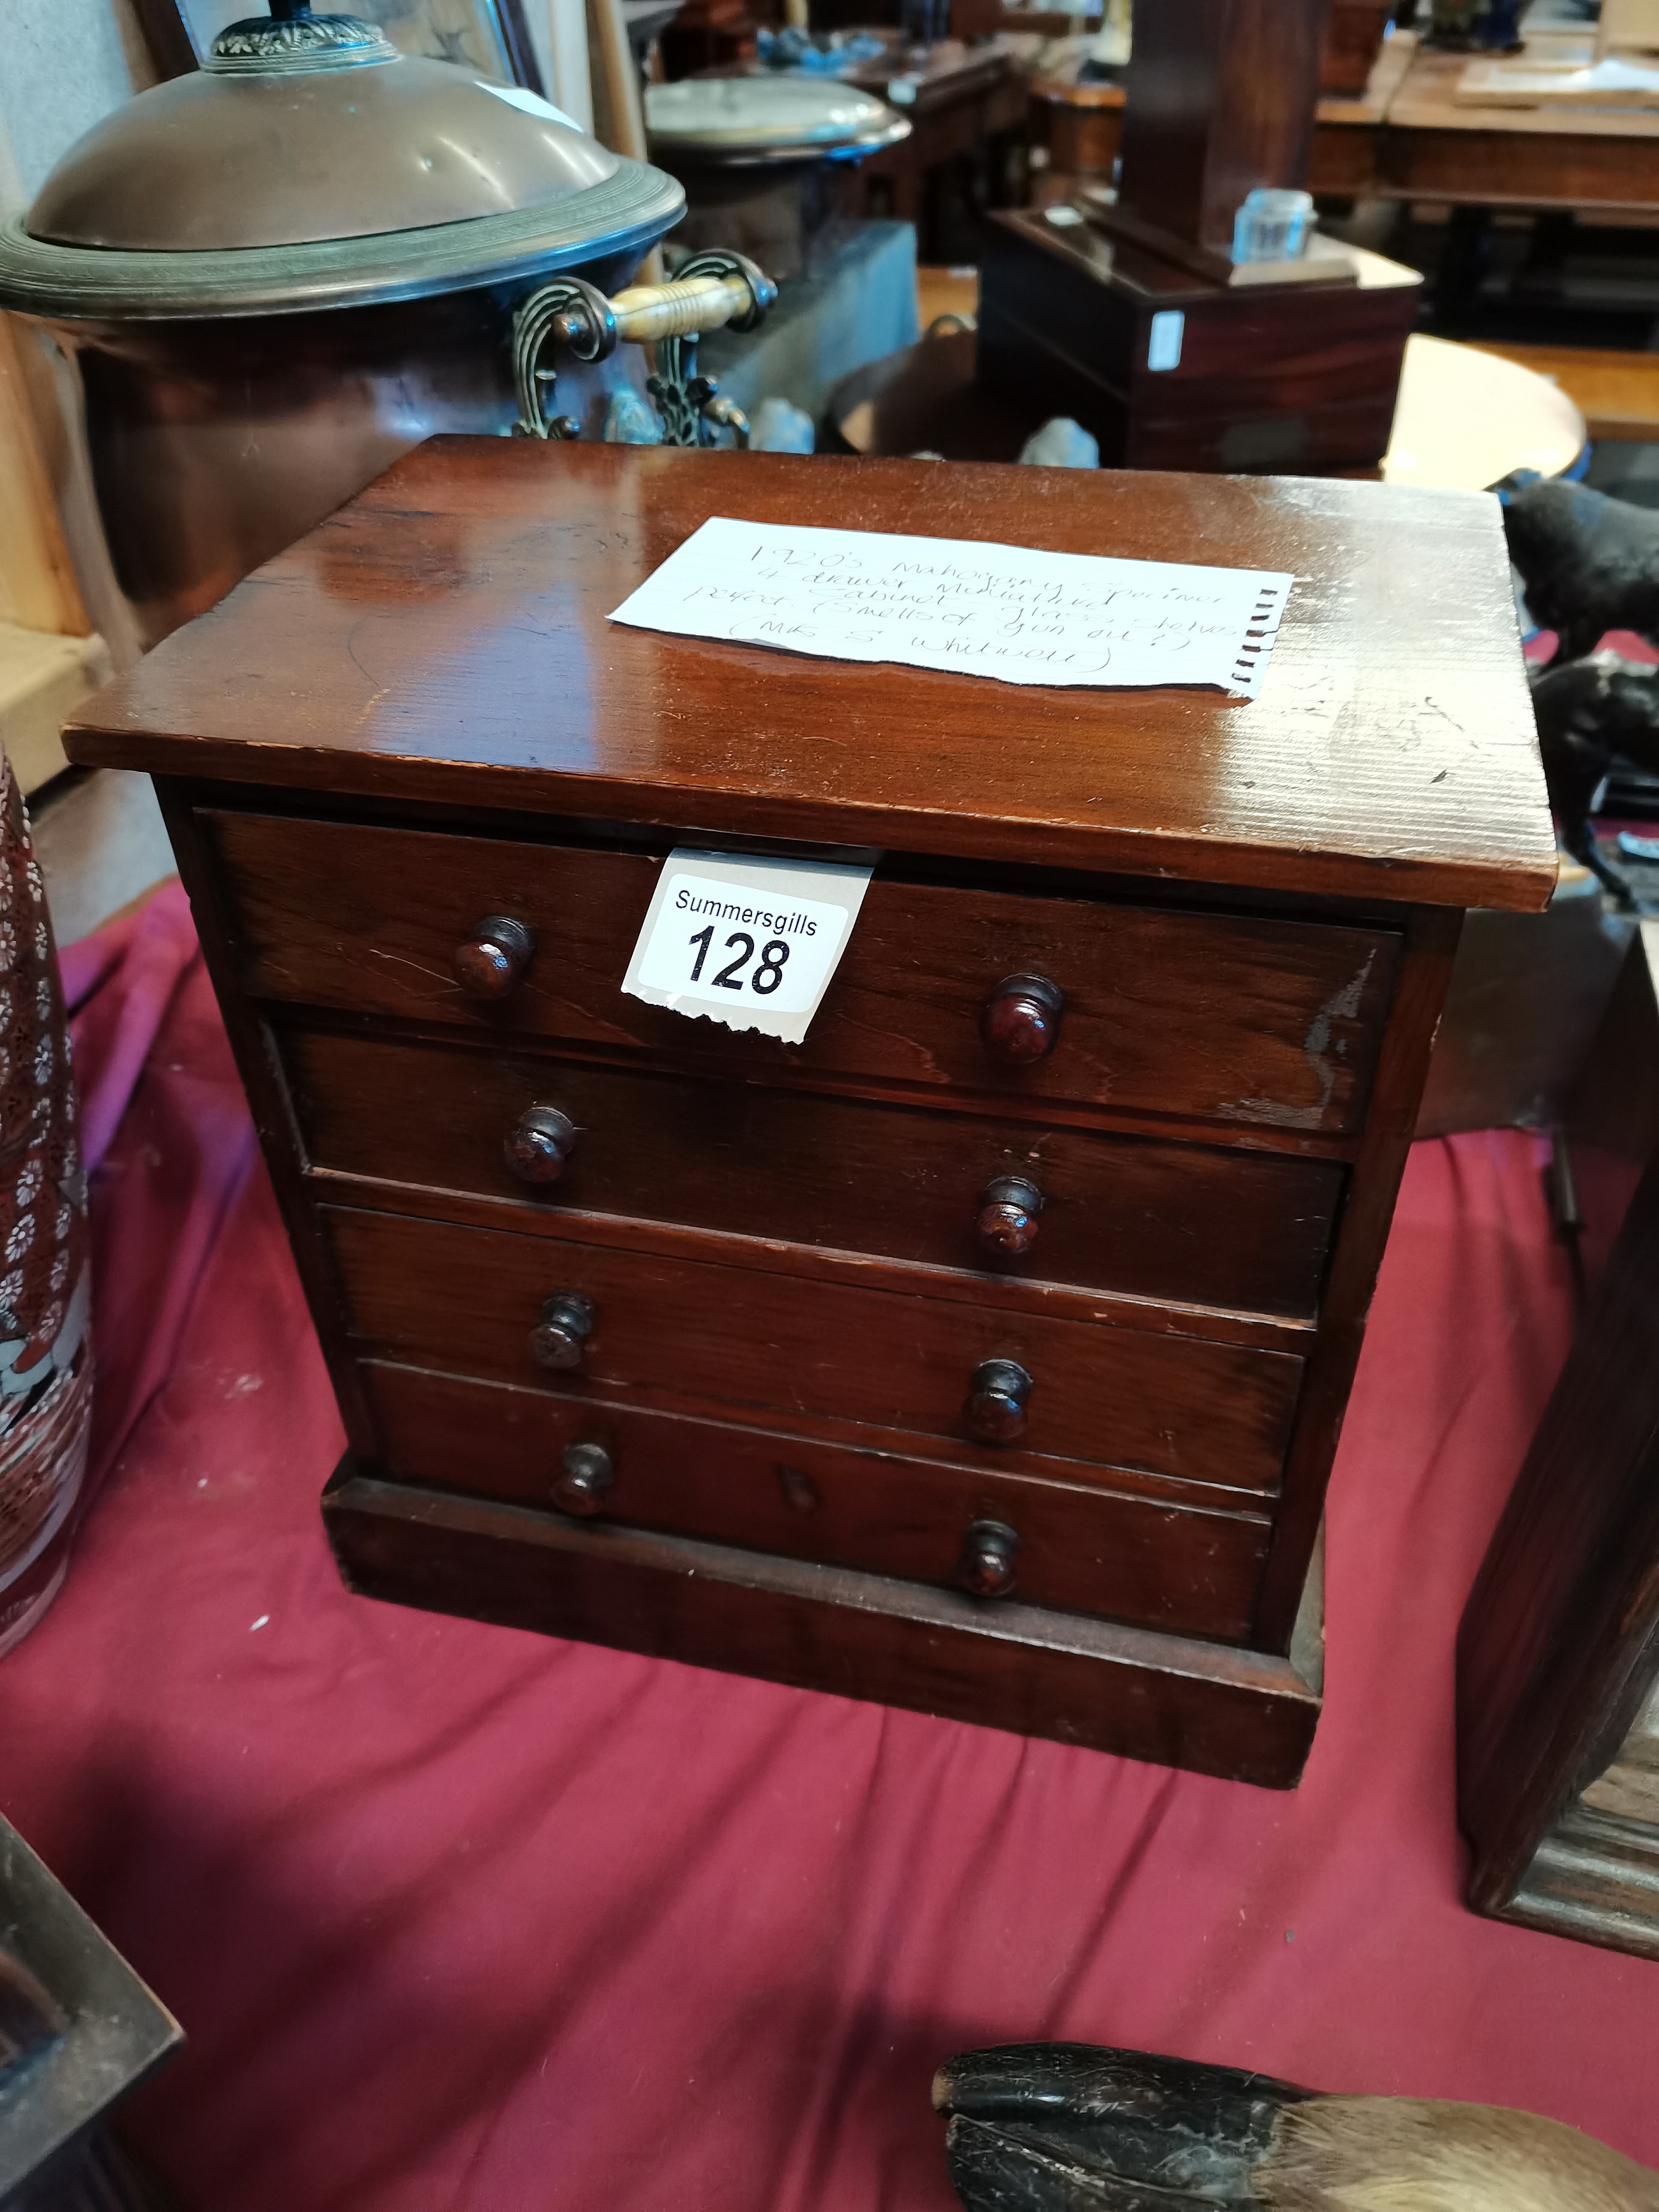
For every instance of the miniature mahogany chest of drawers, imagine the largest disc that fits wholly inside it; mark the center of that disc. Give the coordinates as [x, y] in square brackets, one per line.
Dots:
[987, 1353]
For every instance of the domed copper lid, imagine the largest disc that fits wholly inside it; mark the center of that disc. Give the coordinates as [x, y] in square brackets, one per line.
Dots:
[311, 164]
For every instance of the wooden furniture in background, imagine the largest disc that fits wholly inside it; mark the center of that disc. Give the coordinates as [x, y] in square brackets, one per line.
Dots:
[1616, 393]
[1296, 378]
[717, 35]
[962, 102]
[1627, 25]
[1425, 146]
[774, 1377]
[1467, 418]
[1219, 99]
[1082, 125]
[1406, 137]
[1354, 32]
[1558, 1653]
[1132, 316]
[965, 105]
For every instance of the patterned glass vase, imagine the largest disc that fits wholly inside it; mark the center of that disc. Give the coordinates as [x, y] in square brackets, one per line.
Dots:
[46, 1292]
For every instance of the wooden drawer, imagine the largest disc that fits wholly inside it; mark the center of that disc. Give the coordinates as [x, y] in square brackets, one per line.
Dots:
[1082, 1548]
[686, 1335]
[1241, 1231]
[1167, 1012]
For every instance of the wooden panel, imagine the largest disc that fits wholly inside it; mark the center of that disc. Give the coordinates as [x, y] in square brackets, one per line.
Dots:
[1127, 1690]
[444, 638]
[37, 587]
[1082, 1549]
[1434, 147]
[1559, 1644]
[1243, 1231]
[689, 1335]
[1265, 1022]
[1594, 1880]
[1366, 1213]
[1616, 393]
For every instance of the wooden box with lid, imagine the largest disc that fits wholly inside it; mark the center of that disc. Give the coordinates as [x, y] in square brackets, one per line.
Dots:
[987, 1353]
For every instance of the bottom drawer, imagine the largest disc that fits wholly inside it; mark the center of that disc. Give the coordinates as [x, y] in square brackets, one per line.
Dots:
[1081, 1549]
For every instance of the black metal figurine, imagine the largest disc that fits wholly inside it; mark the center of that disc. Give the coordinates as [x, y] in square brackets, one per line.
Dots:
[1590, 564]
[1593, 714]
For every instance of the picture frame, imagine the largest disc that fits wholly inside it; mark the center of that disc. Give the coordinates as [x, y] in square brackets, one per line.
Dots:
[489, 36]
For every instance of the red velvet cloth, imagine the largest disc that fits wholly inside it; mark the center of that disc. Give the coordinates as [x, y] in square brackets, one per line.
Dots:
[458, 1917]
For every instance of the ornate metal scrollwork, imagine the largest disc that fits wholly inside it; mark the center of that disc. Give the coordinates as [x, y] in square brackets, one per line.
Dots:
[293, 39]
[566, 312]
[692, 412]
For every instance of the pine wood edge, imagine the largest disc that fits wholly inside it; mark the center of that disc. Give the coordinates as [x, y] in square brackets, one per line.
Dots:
[1518, 885]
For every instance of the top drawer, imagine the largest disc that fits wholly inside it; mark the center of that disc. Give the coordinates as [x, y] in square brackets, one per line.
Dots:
[1166, 1011]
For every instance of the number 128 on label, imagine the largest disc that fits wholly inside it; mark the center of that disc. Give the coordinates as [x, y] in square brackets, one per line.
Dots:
[725, 944]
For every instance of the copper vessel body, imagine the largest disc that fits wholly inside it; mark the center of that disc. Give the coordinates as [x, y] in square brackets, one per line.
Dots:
[213, 444]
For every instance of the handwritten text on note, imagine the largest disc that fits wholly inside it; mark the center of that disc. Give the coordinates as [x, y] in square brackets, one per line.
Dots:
[1000, 610]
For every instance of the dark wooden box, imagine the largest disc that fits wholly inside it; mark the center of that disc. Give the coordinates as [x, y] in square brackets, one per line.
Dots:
[1298, 377]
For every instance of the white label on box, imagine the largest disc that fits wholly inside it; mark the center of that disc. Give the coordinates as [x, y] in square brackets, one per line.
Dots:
[1164, 340]
[749, 942]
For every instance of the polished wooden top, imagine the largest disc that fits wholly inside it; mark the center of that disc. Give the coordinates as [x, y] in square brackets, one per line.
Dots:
[443, 638]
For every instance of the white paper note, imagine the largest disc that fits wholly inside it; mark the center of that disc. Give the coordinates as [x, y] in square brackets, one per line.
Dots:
[1001, 611]
[746, 941]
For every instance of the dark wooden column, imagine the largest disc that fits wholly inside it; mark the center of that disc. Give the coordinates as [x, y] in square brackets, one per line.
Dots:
[1220, 97]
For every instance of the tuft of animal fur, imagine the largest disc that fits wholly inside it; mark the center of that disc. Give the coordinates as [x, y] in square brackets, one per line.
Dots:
[1418, 2154]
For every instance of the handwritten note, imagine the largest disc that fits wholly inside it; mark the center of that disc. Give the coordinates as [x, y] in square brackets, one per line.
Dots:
[1070, 619]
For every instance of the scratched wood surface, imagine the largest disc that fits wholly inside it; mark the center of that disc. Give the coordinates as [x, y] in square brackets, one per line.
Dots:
[444, 637]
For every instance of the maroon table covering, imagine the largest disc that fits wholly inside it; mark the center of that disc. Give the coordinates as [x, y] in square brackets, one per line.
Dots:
[459, 1917]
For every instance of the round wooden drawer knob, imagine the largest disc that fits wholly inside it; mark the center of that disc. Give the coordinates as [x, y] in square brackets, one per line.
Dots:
[1021, 1021]
[494, 957]
[538, 1144]
[587, 1473]
[986, 1568]
[999, 1394]
[558, 1338]
[1008, 1211]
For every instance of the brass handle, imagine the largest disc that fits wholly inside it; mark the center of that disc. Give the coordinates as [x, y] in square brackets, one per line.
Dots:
[1021, 1021]
[998, 1396]
[1008, 1211]
[986, 1567]
[588, 1475]
[538, 1144]
[559, 1337]
[494, 958]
